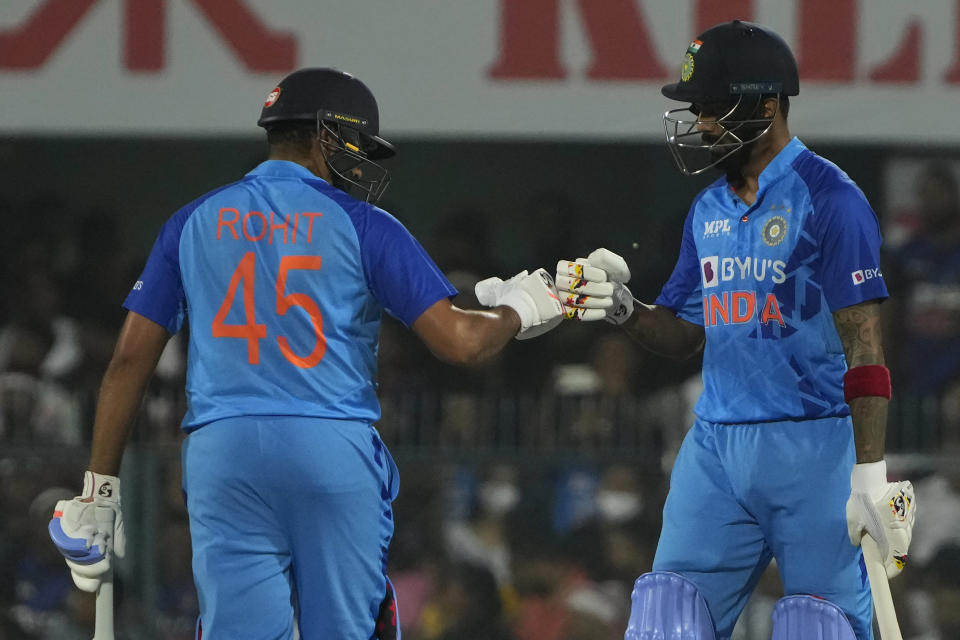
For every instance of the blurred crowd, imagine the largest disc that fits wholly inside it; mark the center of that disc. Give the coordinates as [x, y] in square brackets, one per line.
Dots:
[531, 486]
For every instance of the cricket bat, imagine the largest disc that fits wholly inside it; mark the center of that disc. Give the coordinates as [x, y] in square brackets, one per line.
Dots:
[103, 627]
[882, 600]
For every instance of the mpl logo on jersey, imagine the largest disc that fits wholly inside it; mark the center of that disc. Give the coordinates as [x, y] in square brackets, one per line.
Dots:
[716, 228]
[862, 275]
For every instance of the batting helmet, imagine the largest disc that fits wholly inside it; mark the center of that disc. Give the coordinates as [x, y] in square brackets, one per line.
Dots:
[321, 94]
[732, 59]
[728, 72]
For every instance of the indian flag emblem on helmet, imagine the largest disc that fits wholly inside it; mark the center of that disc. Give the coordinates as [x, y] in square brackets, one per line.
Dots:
[694, 47]
[774, 231]
[686, 69]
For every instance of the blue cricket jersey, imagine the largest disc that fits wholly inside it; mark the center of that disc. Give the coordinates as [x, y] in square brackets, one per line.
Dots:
[763, 281]
[283, 279]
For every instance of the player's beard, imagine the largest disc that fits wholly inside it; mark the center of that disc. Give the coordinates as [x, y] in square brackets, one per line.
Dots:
[750, 128]
[732, 165]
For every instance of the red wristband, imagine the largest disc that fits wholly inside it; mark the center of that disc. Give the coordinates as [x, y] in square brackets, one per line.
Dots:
[869, 380]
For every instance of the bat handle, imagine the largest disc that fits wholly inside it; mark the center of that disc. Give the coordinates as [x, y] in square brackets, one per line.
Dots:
[103, 627]
[880, 586]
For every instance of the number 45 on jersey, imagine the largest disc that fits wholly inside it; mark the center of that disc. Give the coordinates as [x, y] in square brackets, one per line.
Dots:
[253, 332]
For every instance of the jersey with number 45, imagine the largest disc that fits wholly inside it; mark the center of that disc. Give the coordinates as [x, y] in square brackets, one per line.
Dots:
[763, 281]
[283, 279]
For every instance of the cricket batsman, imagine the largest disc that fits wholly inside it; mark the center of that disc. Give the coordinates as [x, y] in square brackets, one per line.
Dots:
[283, 277]
[779, 282]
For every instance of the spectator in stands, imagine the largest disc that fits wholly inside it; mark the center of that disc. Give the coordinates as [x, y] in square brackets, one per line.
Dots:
[40, 353]
[933, 611]
[482, 537]
[941, 498]
[470, 600]
[601, 399]
[417, 553]
[924, 277]
[560, 595]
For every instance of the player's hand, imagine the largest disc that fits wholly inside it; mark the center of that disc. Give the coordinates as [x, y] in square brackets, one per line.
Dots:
[532, 295]
[886, 511]
[89, 528]
[594, 288]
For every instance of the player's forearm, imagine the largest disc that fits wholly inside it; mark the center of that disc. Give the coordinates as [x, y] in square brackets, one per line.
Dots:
[464, 337]
[869, 427]
[659, 330]
[483, 334]
[121, 393]
[859, 328]
[138, 349]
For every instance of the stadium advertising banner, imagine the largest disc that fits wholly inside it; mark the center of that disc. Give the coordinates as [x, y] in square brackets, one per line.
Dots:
[871, 70]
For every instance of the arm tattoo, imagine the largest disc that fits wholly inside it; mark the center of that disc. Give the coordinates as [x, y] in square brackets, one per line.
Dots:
[859, 330]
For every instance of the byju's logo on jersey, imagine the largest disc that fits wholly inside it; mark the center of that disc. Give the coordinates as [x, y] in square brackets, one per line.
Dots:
[862, 275]
[716, 228]
[708, 270]
[714, 270]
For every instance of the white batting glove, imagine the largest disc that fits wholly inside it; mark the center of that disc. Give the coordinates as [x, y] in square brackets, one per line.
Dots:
[886, 511]
[594, 288]
[89, 528]
[533, 296]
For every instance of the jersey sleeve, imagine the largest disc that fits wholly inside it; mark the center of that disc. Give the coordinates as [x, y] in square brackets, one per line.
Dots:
[682, 292]
[849, 237]
[158, 294]
[402, 277]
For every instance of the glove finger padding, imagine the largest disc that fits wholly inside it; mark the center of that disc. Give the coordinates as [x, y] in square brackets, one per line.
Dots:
[580, 270]
[584, 315]
[586, 302]
[595, 288]
[585, 287]
[486, 291]
[615, 266]
[888, 519]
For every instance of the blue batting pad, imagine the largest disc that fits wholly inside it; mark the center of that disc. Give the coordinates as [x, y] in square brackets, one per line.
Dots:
[809, 618]
[668, 606]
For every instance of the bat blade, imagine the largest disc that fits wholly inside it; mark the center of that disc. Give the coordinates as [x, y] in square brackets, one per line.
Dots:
[880, 586]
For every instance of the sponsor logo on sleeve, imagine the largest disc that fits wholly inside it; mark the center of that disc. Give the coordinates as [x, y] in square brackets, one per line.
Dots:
[862, 275]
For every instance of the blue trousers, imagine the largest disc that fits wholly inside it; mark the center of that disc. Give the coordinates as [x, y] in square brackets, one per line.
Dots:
[289, 516]
[743, 494]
